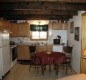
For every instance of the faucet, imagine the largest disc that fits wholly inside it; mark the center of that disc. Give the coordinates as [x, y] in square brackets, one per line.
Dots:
[20, 41]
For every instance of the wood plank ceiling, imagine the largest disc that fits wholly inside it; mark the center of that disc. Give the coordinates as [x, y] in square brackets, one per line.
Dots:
[40, 9]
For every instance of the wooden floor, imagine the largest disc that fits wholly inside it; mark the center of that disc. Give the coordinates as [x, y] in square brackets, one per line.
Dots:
[21, 72]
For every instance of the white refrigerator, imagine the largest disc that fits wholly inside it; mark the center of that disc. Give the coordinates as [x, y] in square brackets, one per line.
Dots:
[5, 59]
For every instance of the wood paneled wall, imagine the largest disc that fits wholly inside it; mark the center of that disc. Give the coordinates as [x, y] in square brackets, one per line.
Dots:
[83, 30]
[83, 43]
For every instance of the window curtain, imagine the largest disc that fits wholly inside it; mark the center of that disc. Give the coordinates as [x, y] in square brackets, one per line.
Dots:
[39, 27]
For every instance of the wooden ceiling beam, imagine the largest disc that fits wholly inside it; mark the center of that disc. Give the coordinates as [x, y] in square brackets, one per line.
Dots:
[42, 5]
[36, 17]
[59, 1]
[47, 10]
[42, 12]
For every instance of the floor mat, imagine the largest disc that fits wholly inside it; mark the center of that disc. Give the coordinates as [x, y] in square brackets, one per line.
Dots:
[25, 62]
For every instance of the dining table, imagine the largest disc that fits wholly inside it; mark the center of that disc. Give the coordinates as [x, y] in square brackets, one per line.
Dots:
[53, 58]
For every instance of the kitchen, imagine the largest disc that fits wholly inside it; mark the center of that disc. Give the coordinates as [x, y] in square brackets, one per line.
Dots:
[20, 35]
[59, 13]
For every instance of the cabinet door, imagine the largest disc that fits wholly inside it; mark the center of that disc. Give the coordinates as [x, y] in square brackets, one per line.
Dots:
[5, 25]
[24, 30]
[26, 52]
[41, 48]
[49, 48]
[23, 52]
[20, 55]
[57, 26]
[14, 30]
[37, 48]
[9, 26]
[65, 26]
[1, 25]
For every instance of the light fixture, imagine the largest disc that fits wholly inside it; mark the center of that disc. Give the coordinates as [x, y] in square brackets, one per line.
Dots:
[39, 22]
[84, 52]
[40, 26]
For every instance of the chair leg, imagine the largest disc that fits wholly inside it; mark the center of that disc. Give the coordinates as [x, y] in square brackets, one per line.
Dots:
[42, 69]
[66, 70]
[37, 67]
[49, 68]
[68, 66]
[56, 68]
[29, 67]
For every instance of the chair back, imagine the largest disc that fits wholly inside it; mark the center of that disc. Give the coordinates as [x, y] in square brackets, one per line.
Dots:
[68, 50]
[32, 49]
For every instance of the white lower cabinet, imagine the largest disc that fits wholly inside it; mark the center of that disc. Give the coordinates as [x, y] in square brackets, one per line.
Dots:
[57, 48]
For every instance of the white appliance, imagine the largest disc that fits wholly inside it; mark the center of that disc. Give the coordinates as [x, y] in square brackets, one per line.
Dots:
[57, 48]
[5, 62]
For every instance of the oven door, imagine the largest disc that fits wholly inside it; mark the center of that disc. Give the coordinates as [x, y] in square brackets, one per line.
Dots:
[13, 56]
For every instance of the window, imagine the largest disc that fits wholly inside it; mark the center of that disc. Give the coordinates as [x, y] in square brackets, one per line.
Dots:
[39, 32]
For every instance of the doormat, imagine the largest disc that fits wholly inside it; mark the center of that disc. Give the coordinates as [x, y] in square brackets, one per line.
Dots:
[25, 62]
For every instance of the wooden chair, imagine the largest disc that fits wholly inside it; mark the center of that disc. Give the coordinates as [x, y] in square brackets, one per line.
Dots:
[34, 62]
[68, 52]
[32, 50]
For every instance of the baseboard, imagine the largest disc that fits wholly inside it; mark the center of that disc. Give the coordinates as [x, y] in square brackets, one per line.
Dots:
[74, 70]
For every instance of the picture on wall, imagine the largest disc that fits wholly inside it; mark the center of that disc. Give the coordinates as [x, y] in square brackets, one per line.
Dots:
[77, 33]
[71, 27]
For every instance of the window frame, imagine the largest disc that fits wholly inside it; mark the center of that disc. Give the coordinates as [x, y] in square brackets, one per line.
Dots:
[39, 38]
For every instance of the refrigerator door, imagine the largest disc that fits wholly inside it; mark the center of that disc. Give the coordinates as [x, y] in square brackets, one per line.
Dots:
[0, 64]
[6, 59]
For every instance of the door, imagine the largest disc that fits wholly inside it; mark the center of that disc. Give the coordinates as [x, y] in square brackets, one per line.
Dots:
[23, 52]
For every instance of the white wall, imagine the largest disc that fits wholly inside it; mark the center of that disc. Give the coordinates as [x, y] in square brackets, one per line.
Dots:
[76, 44]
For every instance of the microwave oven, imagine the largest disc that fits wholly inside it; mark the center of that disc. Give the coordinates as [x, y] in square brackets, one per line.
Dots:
[56, 41]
